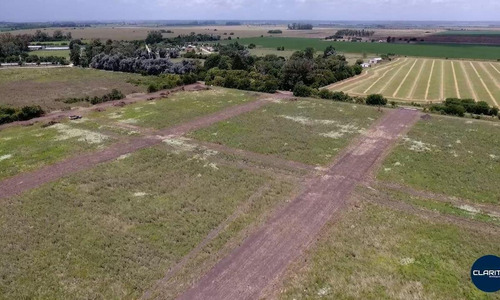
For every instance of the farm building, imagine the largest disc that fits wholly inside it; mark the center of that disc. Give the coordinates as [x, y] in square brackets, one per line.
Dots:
[375, 60]
[366, 65]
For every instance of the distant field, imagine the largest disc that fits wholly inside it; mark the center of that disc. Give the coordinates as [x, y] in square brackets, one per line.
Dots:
[451, 156]
[43, 86]
[469, 32]
[423, 80]
[420, 50]
[45, 53]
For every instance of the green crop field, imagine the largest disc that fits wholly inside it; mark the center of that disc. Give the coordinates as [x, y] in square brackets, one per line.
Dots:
[421, 50]
[426, 80]
[45, 53]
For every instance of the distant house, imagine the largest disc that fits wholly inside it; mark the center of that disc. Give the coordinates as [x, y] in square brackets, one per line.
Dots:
[366, 65]
[34, 48]
[375, 61]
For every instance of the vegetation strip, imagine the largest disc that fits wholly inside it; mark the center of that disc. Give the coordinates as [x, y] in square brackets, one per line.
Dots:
[455, 78]
[429, 80]
[411, 93]
[469, 82]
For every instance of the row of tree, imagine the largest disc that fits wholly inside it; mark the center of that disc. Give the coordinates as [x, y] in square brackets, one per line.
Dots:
[459, 107]
[353, 32]
[300, 26]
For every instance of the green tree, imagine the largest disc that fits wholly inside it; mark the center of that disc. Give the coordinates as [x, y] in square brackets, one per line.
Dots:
[376, 99]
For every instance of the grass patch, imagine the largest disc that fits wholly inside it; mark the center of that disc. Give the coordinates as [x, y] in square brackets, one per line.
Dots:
[309, 131]
[377, 253]
[28, 148]
[19, 87]
[420, 50]
[452, 156]
[45, 53]
[179, 107]
[112, 231]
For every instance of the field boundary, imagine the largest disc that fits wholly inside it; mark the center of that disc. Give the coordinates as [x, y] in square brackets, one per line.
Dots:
[429, 80]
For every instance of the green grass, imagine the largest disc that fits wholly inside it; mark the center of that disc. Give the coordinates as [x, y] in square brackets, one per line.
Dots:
[114, 230]
[470, 32]
[420, 50]
[179, 107]
[451, 156]
[45, 53]
[294, 130]
[28, 148]
[378, 253]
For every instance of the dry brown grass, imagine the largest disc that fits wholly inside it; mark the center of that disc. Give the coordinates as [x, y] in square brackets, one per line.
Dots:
[19, 87]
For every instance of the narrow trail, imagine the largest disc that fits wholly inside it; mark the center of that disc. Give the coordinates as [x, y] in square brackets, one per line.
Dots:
[264, 256]
[429, 81]
[26, 181]
[455, 78]
[404, 79]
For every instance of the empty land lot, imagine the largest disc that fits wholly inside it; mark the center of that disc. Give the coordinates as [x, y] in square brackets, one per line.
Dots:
[427, 79]
[19, 87]
[150, 224]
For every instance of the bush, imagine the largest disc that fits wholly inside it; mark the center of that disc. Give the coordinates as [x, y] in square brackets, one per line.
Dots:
[9, 114]
[302, 90]
[152, 88]
[376, 99]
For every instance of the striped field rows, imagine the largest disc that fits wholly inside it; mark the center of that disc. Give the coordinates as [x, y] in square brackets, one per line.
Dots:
[428, 80]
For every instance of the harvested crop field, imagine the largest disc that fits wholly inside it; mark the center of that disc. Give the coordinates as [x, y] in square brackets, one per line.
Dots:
[19, 87]
[428, 80]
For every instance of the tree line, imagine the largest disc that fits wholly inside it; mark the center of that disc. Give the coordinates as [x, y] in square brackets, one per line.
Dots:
[300, 26]
[352, 32]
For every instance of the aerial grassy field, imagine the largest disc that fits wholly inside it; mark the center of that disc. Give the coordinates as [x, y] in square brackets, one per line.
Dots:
[451, 156]
[177, 108]
[19, 87]
[25, 149]
[419, 50]
[375, 252]
[308, 131]
[428, 79]
[112, 231]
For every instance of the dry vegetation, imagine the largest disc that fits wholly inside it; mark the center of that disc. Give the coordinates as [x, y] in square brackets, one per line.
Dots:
[19, 87]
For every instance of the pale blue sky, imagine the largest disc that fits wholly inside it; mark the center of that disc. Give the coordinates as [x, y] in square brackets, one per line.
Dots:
[68, 10]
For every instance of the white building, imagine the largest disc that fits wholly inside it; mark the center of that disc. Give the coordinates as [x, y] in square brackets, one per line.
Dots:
[375, 61]
[365, 65]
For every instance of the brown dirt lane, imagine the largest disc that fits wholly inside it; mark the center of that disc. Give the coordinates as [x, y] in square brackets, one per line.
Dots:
[264, 256]
[26, 181]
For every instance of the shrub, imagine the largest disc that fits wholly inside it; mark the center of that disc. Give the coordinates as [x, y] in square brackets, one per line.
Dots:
[376, 99]
[152, 88]
[302, 90]
[10, 114]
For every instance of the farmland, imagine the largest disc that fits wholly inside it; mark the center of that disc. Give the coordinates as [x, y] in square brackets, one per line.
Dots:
[44, 53]
[419, 50]
[160, 192]
[429, 80]
[19, 87]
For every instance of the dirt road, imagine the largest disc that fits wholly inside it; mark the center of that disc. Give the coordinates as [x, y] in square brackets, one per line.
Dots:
[26, 181]
[264, 256]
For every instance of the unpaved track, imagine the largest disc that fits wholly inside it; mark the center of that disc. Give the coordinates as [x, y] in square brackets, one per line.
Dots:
[26, 181]
[263, 257]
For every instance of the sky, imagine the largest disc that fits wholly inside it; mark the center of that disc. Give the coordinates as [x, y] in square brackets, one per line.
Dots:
[97, 10]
